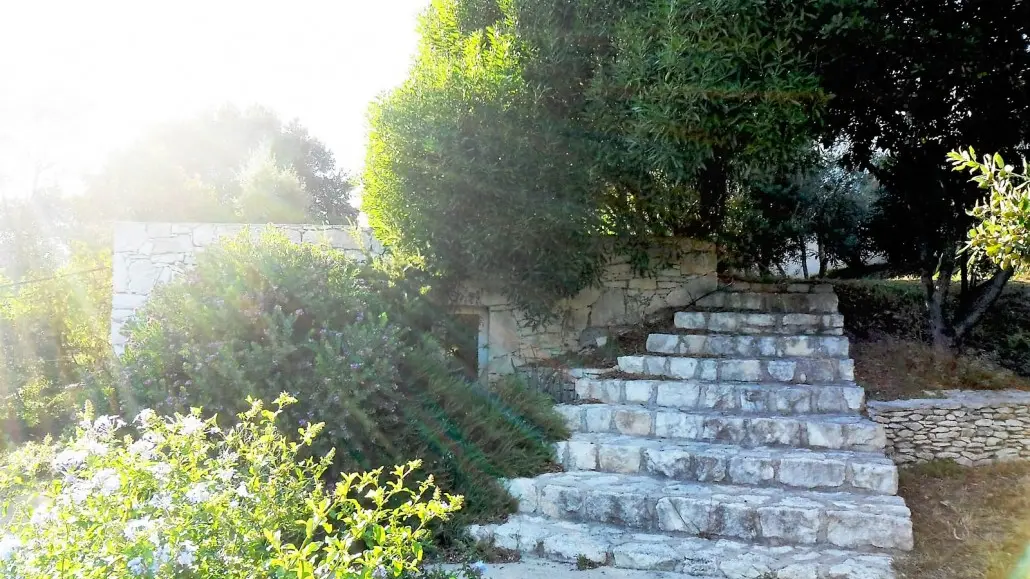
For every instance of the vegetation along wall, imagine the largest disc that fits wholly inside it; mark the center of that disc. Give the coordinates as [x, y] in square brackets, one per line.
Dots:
[146, 254]
[969, 427]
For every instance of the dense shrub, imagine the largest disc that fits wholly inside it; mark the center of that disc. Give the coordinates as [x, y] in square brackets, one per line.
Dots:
[354, 346]
[185, 498]
[53, 345]
[874, 309]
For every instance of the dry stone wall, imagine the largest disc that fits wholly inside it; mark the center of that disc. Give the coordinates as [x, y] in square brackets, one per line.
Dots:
[969, 427]
[147, 254]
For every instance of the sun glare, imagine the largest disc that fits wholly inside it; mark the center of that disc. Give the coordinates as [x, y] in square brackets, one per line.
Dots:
[82, 78]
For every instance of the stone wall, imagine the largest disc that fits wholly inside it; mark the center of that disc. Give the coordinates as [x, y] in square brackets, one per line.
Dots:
[146, 254]
[969, 427]
[623, 299]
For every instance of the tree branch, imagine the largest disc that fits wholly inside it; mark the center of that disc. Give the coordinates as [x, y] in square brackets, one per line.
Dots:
[983, 302]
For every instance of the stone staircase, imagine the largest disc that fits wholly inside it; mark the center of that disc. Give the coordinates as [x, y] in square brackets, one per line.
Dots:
[735, 448]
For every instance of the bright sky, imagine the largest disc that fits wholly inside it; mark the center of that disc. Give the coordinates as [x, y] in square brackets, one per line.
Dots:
[79, 78]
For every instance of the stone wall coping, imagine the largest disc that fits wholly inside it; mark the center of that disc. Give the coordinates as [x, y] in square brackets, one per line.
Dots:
[954, 399]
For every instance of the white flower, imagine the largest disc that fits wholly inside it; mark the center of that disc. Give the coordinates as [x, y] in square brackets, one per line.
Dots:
[137, 527]
[199, 493]
[92, 446]
[162, 555]
[142, 447]
[145, 416]
[161, 501]
[43, 515]
[242, 491]
[191, 424]
[161, 470]
[79, 490]
[225, 474]
[108, 481]
[69, 459]
[8, 545]
[187, 555]
[137, 567]
[107, 424]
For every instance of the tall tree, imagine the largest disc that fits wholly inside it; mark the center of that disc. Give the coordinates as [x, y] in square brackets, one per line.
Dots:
[197, 170]
[530, 133]
[918, 79]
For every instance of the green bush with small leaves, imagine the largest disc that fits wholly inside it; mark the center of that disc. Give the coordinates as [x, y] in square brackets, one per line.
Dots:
[181, 497]
[260, 315]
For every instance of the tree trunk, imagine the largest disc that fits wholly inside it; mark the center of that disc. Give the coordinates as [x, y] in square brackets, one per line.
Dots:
[986, 295]
[823, 261]
[712, 187]
[941, 334]
[804, 257]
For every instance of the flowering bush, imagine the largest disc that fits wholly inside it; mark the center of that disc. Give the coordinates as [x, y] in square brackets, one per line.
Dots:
[184, 498]
[260, 315]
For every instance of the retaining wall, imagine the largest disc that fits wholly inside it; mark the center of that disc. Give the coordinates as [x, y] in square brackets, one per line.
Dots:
[969, 427]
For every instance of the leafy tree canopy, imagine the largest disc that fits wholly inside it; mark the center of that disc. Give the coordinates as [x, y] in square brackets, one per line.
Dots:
[917, 79]
[207, 168]
[531, 134]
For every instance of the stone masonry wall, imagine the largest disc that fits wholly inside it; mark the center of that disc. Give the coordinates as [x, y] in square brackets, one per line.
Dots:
[623, 299]
[969, 427]
[146, 254]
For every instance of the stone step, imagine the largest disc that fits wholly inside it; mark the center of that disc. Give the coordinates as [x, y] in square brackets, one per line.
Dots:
[777, 287]
[820, 431]
[762, 515]
[800, 303]
[723, 345]
[761, 323]
[788, 370]
[619, 548]
[862, 472]
[743, 397]
[532, 567]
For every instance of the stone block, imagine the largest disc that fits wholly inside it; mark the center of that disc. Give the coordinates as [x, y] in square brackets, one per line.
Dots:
[678, 394]
[570, 547]
[824, 434]
[682, 368]
[664, 343]
[618, 508]
[525, 492]
[812, 473]
[850, 529]
[638, 391]
[633, 422]
[740, 370]
[796, 525]
[781, 370]
[671, 462]
[746, 470]
[582, 455]
[876, 477]
[678, 425]
[690, 320]
[560, 501]
[598, 419]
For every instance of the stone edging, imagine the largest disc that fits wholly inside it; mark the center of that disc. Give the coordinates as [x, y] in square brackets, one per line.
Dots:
[969, 427]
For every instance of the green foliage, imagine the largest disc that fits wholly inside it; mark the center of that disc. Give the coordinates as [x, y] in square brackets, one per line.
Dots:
[185, 498]
[534, 137]
[355, 346]
[816, 200]
[1003, 231]
[53, 344]
[206, 169]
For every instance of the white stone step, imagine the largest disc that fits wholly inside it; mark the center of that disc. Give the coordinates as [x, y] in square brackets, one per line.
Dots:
[761, 323]
[788, 370]
[762, 515]
[862, 472]
[800, 303]
[531, 567]
[821, 431]
[660, 554]
[708, 345]
[742, 397]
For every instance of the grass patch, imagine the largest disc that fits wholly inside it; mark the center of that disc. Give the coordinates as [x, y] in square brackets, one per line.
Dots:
[892, 368]
[970, 523]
